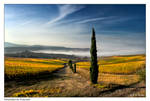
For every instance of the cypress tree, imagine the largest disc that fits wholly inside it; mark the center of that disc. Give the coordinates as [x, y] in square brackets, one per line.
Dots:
[70, 64]
[74, 69]
[94, 65]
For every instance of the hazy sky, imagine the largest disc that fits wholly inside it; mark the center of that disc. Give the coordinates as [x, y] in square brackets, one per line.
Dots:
[120, 29]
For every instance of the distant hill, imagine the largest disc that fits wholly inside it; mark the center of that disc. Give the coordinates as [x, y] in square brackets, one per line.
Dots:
[8, 44]
[14, 48]
[29, 54]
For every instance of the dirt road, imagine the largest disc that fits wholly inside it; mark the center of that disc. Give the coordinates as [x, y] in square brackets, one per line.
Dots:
[66, 83]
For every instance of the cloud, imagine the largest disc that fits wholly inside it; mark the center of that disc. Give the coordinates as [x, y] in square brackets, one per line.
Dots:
[90, 20]
[94, 19]
[74, 31]
[118, 20]
[107, 21]
[26, 22]
[64, 11]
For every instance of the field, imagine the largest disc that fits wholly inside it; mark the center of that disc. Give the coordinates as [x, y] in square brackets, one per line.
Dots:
[16, 68]
[117, 64]
[118, 76]
[119, 69]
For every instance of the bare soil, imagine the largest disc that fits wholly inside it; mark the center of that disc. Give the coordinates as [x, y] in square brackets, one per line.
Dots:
[65, 83]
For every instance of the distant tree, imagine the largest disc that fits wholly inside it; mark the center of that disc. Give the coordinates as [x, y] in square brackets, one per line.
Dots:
[94, 65]
[74, 69]
[70, 64]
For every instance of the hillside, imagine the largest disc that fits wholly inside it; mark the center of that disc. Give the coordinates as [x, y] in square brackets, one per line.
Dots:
[29, 54]
[14, 48]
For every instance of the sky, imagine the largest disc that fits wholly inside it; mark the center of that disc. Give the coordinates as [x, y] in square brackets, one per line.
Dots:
[120, 29]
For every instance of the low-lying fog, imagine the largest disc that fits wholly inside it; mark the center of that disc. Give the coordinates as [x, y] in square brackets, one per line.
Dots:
[77, 53]
[87, 53]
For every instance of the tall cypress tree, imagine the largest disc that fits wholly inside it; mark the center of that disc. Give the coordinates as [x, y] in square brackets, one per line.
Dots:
[94, 65]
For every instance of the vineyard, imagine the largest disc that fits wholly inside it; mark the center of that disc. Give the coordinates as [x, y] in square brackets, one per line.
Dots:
[115, 73]
[118, 64]
[16, 68]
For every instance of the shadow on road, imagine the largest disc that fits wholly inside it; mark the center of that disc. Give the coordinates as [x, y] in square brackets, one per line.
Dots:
[115, 87]
[45, 76]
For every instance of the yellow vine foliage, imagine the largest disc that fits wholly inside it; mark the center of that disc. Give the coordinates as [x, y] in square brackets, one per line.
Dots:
[22, 66]
[117, 64]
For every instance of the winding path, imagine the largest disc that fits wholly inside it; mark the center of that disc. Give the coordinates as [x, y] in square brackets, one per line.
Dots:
[66, 83]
